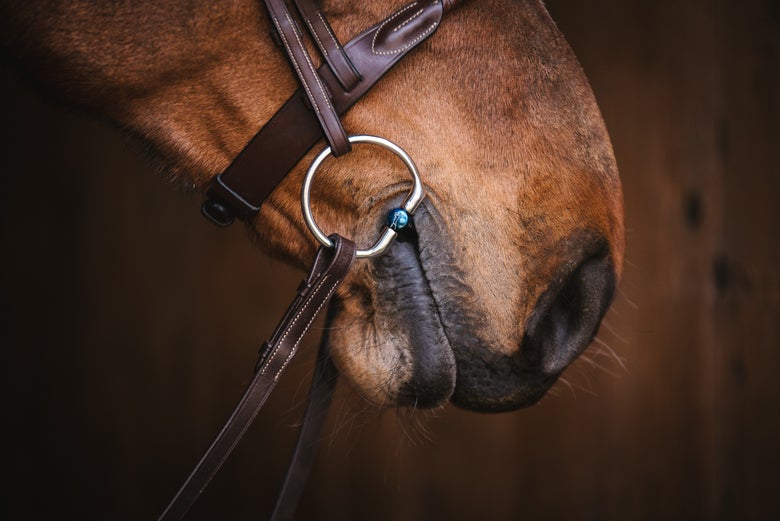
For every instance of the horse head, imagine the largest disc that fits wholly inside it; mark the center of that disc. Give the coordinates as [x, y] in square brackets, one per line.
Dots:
[515, 252]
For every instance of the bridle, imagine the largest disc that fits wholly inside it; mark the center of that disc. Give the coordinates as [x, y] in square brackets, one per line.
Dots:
[314, 111]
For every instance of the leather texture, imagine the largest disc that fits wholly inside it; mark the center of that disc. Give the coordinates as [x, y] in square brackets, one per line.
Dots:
[315, 90]
[330, 267]
[313, 111]
[329, 45]
[295, 129]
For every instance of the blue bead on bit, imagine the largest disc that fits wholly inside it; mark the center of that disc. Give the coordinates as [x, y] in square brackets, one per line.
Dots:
[397, 218]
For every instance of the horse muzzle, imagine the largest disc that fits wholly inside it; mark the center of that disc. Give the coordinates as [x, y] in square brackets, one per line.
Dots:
[561, 326]
[435, 343]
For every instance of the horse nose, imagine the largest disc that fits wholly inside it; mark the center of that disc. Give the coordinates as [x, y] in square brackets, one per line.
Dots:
[568, 314]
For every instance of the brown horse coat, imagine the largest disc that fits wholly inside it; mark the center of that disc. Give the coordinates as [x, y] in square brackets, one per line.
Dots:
[519, 244]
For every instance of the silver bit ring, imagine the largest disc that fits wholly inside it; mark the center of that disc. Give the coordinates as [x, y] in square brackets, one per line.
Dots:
[410, 203]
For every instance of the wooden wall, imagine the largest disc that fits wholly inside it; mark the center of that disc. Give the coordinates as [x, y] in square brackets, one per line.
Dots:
[129, 330]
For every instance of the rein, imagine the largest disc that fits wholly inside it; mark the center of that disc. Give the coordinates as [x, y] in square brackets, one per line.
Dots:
[314, 111]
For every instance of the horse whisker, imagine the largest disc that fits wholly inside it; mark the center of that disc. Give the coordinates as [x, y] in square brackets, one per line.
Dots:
[604, 349]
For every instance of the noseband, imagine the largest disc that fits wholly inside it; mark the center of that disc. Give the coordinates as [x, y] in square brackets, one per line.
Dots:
[326, 94]
[313, 112]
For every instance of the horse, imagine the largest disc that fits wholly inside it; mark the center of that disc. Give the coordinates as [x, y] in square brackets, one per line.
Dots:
[516, 250]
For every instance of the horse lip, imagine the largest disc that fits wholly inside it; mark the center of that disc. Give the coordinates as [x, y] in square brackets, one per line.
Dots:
[486, 381]
[407, 301]
[422, 292]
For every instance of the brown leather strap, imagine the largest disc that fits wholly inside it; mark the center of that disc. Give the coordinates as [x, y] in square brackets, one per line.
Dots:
[275, 150]
[320, 395]
[330, 267]
[312, 85]
[243, 187]
[329, 45]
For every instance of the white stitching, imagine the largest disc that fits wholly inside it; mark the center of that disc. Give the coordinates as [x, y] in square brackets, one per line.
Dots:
[292, 323]
[383, 24]
[327, 28]
[311, 65]
[305, 330]
[317, 37]
[409, 20]
[410, 44]
[297, 66]
[407, 46]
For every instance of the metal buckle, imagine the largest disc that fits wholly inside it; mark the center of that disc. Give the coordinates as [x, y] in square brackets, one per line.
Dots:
[410, 203]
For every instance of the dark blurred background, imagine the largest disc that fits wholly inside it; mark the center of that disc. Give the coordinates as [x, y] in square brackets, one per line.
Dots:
[129, 329]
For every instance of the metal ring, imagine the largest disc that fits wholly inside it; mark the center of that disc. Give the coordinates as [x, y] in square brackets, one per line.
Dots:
[410, 203]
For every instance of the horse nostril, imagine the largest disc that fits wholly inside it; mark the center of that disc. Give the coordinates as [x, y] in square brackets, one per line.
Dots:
[567, 316]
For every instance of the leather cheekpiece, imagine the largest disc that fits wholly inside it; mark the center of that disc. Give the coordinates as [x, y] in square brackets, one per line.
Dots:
[294, 129]
[329, 45]
[315, 90]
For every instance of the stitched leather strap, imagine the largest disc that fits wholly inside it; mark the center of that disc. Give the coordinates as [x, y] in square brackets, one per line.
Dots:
[315, 90]
[330, 267]
[329, 46]
[243, 187]
[275, 150]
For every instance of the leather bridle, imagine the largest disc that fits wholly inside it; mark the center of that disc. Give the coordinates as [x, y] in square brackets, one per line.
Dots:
[242, 188]
[314, 111]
